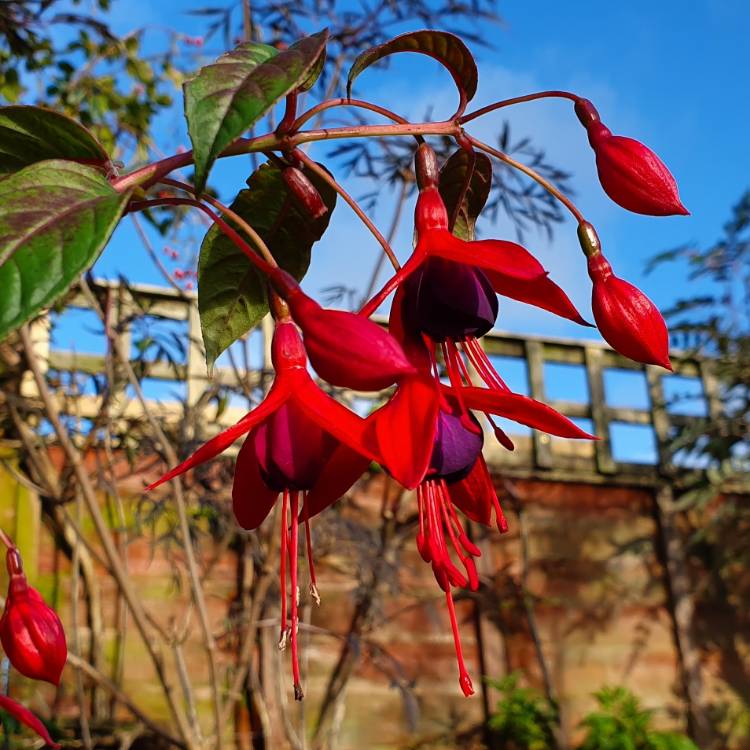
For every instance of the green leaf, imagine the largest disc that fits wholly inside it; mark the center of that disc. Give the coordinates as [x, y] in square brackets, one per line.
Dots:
[314, 74]
[446, 48]
[32, 134]
[465, 182]
[232, 296]
[55, 218]
[226, 98]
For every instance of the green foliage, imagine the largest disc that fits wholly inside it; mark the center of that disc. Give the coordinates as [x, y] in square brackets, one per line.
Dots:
[621, 723]
[465, 184]
[55, 218]
[523, 718]
[446, 48]
[526, 720]
[232, 297]
[227, 97]
[32, 134]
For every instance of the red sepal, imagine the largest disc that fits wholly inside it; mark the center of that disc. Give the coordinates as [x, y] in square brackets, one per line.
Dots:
[252, 499]
[341, 471]
[474, 495]
[276, 397]
[24, 716]
[405, 429]
[523, 410]
[541, 292]
[506, 258]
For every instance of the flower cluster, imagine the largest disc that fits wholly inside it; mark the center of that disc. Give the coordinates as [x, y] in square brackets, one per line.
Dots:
[33, 639]
[303, 445]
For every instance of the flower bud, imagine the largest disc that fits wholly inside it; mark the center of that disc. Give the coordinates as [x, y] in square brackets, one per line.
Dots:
[346, 349]
[627, 319]
[632, 175]
[31, 632]
[304, 193]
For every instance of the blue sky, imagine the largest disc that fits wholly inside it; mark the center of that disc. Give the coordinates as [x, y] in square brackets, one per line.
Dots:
[671, 74]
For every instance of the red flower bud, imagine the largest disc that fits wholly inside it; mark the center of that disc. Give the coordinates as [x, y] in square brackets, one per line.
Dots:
[628, 320]
[31, 632]
[346, 349]
[632, 175]
[304, 193]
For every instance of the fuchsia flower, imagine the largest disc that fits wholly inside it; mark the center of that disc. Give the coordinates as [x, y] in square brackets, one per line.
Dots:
[303, 444]
[31, 632]
[627, 319]
[345, 349]
[632, 175]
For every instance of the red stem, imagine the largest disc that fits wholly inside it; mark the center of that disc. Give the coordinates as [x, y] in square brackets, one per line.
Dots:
[518, 100]
[254, 258]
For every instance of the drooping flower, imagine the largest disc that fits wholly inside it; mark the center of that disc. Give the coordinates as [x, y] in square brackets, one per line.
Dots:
[31, 633]
[345, 349]
[627, 319]
[22, 715]
[303, 444]
[632, 175]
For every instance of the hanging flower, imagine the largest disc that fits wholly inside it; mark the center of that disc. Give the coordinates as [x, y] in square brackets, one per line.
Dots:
[304, 445]
[632, 175]
[31, 632]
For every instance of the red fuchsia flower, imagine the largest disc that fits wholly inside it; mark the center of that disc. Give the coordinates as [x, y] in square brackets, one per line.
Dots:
[303, 444]
[345, 349]
[632, 175]
[24, 716]
[627, 319]
[31, 632]
[458, 476]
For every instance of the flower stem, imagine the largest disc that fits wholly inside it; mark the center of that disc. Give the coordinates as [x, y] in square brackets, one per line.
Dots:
[233, 215]
[233, 235]
[325, 176]
[545, 183]
[341, 102]
[518, 100]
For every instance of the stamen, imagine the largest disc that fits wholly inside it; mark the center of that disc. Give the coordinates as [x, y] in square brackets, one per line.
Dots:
[463, 676]
[466, 561]
[422, 533]
[482, 364]
[293, 550]
[500, 434]
[450, 354]
[310, 564]
[282, 570]
[502, 523]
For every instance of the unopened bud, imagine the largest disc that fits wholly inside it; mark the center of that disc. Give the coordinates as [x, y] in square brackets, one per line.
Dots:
[427, 168]
[304, 193]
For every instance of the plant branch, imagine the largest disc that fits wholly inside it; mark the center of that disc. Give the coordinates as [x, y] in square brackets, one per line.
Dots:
[517, 100]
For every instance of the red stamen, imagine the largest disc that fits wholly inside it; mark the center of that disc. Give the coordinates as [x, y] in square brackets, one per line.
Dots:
[298, 694]
[450, 354]
[282, 570]
[422, 533]
[502, 524]
[482, 364]
[310, 564]
[463, 676]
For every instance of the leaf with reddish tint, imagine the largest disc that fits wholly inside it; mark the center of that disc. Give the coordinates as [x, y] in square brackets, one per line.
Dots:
[465, 182]
[523, 410]
[55, 218]
[24, 716]
[32, 134]
[446, 48]
[227, 97]
[232, 297]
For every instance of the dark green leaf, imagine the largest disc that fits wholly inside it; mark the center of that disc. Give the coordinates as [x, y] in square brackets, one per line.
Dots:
[55, 218]
[446, 48]
[226, 98]
[314, 74]
[231, 292]
[465, 182]
[32, 134]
